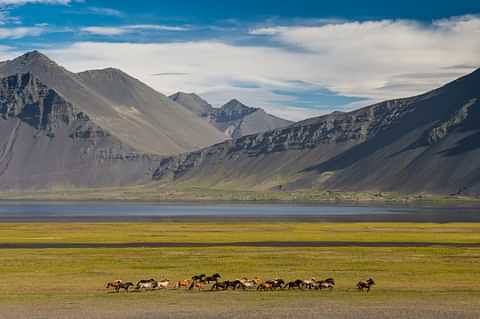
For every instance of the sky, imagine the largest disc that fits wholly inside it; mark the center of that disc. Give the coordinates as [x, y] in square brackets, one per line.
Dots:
[295, 59]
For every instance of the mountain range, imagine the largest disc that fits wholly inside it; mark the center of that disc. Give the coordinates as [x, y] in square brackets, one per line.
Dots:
[424, 144]
[105, 128]
[233, 118]
[94, 128]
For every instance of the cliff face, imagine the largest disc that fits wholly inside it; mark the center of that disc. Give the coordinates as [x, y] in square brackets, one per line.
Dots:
[428, 143]
[46, 142]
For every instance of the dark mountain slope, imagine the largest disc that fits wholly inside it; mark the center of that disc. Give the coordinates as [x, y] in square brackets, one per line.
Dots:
[427, 143]
[45, 141]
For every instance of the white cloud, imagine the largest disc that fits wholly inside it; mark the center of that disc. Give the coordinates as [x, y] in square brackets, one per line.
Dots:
[21, 32]
[104, 30]
[112, 31]
[22, 2]
[375, 60]
[157, 27]
[105, 11]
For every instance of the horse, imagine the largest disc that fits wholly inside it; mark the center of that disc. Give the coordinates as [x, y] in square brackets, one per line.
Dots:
[200, 285]
[361, 285]
[163, 284]
[213, 277]
[265, 286]
[277, 283]
[221, 285]
[328, 283]
[183, 283]
[248, 283]
[309, 283]
[294, 284]
[149, 284]
[118, 284]
[198, 277]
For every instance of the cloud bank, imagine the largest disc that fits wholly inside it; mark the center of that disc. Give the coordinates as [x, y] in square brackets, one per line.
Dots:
[353, 62]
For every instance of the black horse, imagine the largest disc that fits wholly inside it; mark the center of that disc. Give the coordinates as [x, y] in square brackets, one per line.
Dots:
[295, 284]
[361, 285]
[221, 285]
[324, 284]
[212, 278]
[198, 277]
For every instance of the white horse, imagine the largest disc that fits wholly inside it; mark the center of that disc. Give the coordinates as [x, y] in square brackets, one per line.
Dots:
[163, 284]
[309, 283]
[147, 284]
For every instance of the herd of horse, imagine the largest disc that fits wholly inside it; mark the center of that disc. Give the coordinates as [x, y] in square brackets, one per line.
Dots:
[213, 282]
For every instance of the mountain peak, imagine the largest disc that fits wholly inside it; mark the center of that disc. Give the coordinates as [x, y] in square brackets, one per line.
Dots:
[34, 57]
[31, 62]
[236, 105]
[193, 102]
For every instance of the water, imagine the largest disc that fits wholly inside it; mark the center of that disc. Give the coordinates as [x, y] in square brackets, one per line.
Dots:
[134, 211]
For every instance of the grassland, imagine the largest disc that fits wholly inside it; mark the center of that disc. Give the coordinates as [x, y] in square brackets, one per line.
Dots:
[158, 192]
[61, 282]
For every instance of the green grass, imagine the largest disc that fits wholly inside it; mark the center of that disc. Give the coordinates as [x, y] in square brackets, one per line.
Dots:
[236, 232]
[181, 192]
[80, 274]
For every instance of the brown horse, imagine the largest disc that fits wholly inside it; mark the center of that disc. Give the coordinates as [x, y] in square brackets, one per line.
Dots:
[265, 286]
[183, 283]
[199, 285]
[277, 283]
[361, 285]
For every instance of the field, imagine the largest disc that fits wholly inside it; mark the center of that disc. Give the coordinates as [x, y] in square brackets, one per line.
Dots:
[181, 192]
[440, 279]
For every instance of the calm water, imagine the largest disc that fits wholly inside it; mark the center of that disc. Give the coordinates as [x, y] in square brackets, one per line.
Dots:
[109, 211]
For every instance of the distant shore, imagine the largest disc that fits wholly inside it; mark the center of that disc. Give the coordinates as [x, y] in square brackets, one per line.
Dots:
[155, 193]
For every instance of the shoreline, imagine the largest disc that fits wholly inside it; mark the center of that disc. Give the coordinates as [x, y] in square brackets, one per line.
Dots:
[195, 195]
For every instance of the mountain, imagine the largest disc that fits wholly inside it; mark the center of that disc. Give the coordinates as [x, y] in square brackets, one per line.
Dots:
[97, 128]
[125, 107]
[427, 143]
[234, 118]
[193, 102]
[46, 142]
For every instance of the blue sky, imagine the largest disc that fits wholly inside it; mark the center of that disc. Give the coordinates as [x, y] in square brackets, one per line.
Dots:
[294, 58]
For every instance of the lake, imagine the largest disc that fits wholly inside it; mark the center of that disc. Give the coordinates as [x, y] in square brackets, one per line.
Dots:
[134, 211]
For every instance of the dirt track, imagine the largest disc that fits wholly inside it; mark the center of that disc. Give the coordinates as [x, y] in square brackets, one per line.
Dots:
[296, 309]
[235, 244]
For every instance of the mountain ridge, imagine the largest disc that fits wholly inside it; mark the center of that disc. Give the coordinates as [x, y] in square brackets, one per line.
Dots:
[234, 118]
[425, 143]
[140, 120]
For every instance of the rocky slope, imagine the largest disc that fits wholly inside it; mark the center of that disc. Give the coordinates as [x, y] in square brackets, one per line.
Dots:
[234, 118]
[45, 141]
[428, 143]
[131, 111]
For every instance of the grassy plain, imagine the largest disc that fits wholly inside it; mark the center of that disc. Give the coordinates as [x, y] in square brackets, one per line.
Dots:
[69, 280]
[159, 192]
